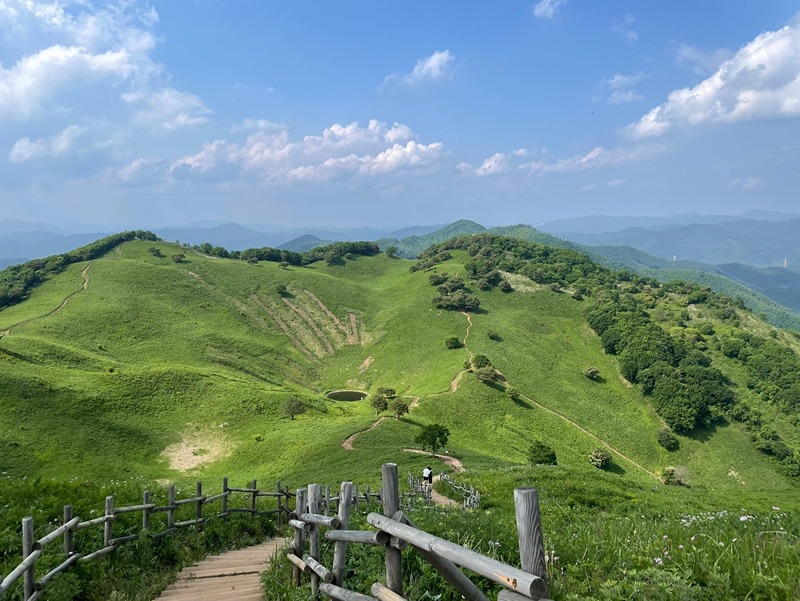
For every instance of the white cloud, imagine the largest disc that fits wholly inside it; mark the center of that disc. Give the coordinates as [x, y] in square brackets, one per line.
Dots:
[700, 61]
[616, 183]
[168, 109]
[56, 146]
[142, 172]
[340, 150]
[256, 125]
[547, 9]
[597, 157]
[625, 28]
[520, 152]
[435, 67]
[748, 183]
[761, 81]
[497, 163]
[620, 81]
[589, 188]
[623, 97]
[110, 45]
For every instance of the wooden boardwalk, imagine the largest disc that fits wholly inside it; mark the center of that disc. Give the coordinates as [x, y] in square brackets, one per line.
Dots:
[232, 575]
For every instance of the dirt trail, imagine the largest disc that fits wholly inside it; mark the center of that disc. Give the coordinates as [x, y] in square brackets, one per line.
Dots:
[348, 444]
[469, 327]
[62, 304]
[448, 459]
[619, 454]
[457, 380]
[454, 384]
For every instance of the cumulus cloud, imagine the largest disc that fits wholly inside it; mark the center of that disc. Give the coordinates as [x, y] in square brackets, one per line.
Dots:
[616, 183]
[112, 45]
[497, 163]
[250, 124]
[340, 150]
[167, 109]
[589, 188]
[760, 81]
[747, 183]
[624, 97]
[24, 149]
[435, 67]
[621, 88]
[142, 172]
[547, 9]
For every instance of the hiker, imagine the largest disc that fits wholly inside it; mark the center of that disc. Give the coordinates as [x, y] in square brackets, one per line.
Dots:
[427, 477]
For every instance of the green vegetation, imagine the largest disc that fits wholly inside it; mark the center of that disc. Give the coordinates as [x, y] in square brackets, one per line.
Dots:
[433, 437]
[119, 367]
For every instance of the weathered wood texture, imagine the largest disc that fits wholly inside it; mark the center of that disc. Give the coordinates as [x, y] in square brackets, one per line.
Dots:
[390, 493]
[529, 533]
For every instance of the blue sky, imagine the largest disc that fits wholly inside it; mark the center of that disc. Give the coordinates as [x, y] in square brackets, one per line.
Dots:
[134, 114]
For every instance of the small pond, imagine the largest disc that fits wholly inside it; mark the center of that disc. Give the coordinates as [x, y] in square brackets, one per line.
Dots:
[346, 395]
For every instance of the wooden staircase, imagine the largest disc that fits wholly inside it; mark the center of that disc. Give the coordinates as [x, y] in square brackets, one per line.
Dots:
[232, 575]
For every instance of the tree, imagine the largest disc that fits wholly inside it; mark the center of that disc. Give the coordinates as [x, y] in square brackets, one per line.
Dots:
[600, 458]
[591, 372]
[399, 408]
[179, 257]
[453, 342]
[433, 437]
[390, 393]
[513, 392]
[486, 374]
[668, 440]
[541, 454]
[379, 402]
[391, 251]
[281, 289]
[293, 407]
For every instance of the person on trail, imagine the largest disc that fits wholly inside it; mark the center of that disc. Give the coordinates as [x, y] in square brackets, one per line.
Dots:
[427, 477]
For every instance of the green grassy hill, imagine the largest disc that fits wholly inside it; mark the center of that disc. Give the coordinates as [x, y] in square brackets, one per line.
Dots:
[139, 365]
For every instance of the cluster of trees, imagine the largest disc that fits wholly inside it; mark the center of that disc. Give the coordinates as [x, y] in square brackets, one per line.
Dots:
[16, 281]
[452, 294]
[684, 388]
[334, 253]
[386, 398]
[482, 368]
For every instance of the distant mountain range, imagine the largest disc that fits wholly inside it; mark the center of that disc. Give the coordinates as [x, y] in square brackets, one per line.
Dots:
[737, 255]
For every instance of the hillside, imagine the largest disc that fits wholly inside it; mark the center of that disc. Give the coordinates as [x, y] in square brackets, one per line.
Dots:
[183, 368]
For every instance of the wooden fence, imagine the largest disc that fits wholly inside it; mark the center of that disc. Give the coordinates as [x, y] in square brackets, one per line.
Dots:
[395, 532]
[32, 549]
[470, 498]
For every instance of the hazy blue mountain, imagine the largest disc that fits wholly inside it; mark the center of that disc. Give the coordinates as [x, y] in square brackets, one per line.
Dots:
[304, 243]
[781, 285]
[35, 244]
[599, 224]
[231, 236]
[411, 246]
[11, 261]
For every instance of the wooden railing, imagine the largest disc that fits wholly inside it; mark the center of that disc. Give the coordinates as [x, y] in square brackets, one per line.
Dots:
[470, 498]
[395, 532]
[32, 550]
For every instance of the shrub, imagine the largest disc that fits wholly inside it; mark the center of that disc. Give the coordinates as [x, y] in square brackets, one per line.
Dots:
[399, 408]
[453, 342]
[493, 335]
[668, 440]
[591, 372]
[669, 476]
[600, 458]
[479, 361]
[293, 406]
[541, 454]
[513, 392]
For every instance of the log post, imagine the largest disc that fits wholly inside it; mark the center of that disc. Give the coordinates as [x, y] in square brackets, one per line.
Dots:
[355, 496]
[253, 500]
[327, 498]
[280, 503]
[529, 532]
[27, 548]
[299, 536]
[199, 508]
[146, 512]
[109, 525]
[69, 538]
[224, 511]
[314, 498]
[171, 507]
[390, 495]
[340, 547]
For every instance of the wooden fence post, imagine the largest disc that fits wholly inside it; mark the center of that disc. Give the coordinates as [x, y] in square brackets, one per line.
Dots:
[27, 549]
[280, 503]
[529, 532]
[69, 539]
[224, 511]
[146, 512]
[109, 524]
[327, 498]
[340, 548]
[171, 507]
[390, 495]
[253, 500]
[314, 498]
[199, 509]
[299, 535]
[355, 496]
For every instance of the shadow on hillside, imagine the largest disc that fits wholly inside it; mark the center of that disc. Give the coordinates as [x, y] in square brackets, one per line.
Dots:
[519, 402]
[413, 422]
[615, 468]
[705, 434]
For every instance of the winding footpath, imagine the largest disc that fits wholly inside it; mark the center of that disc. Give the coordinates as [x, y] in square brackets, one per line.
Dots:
[232, 575]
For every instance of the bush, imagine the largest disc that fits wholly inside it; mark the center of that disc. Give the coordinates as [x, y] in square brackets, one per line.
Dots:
[600, 458]
[453, 342]
[541, 454]
[493, 335]
[668, 440]
[513, 392]
[591, 372]
[669, 476]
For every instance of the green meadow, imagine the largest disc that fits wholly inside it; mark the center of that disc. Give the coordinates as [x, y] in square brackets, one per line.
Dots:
[136, 368]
